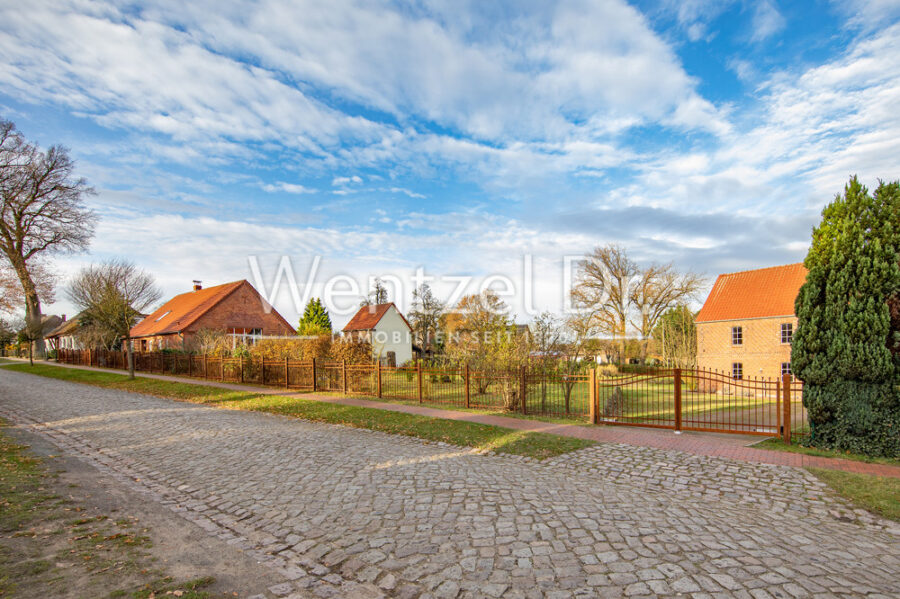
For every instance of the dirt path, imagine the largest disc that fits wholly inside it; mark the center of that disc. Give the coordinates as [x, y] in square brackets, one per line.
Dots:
[175, 549]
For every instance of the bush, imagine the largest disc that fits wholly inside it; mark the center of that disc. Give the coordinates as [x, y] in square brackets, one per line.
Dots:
[845, 346]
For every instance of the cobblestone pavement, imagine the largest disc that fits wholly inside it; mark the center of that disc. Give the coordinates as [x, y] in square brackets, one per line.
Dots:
[351, 513]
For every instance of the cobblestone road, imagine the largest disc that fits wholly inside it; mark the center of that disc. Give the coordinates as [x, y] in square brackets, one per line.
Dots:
[350, 513]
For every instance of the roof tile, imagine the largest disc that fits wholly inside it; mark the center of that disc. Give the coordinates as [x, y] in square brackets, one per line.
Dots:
[760, 293]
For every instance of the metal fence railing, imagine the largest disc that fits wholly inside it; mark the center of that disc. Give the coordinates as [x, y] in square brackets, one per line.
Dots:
[680, 399]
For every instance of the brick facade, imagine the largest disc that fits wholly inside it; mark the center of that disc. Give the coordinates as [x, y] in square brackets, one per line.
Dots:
[241, 311]
[761, 354]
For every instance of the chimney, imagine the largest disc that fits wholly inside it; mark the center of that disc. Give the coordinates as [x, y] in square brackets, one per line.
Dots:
[197, 285]
[63, 317]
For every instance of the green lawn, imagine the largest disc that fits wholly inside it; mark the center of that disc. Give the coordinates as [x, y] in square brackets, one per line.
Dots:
[468, 434]
[878, 494]
[779, 445]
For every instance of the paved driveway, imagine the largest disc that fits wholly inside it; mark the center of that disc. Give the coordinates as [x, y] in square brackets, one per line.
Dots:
[345, 512]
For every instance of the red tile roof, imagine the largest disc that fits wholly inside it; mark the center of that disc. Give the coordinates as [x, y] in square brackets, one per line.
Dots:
[182, 310]
[368, 317]
[761, 293]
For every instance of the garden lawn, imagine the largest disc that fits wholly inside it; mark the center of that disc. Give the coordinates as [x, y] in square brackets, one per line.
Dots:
[467, 434]
[779, 445]
[878, 494]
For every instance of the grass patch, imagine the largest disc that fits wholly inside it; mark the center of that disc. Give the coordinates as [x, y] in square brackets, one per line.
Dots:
[467, 434]
[878, 494]
[779, 445]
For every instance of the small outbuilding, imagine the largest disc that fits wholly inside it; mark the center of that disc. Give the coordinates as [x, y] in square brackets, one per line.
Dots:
[386, 329]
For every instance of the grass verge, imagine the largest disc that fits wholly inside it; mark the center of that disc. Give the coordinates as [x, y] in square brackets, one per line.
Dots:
[44, 552]
[779, 445]
[878, 494]
[467, 434]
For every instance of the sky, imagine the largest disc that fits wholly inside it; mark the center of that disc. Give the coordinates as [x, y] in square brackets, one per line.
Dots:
[308, 146]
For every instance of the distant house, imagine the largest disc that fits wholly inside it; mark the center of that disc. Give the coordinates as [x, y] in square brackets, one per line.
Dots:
[386, 329]
[746, 326]
[63, 336]
[233, 308]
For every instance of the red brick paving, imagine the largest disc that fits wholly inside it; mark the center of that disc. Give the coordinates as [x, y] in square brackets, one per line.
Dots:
[734, 447]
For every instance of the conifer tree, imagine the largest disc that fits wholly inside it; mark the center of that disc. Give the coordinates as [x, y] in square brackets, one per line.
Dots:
[315, 320]
[845, 349]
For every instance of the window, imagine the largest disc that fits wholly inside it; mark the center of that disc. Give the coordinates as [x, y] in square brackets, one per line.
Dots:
[787, 332]
[737, 370]
[737, 335]
[166, 313]
[786, 369]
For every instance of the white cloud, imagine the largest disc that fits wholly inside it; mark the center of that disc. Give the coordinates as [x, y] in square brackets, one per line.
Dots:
[341, 181]
[287, 188]
[767, 21]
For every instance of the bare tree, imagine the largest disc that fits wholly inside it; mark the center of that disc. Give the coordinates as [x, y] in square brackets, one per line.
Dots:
[113, 294]
[377, 296]
[603, 291]
[42, 211]
[657, 289]
[12, 297]
[425, 317]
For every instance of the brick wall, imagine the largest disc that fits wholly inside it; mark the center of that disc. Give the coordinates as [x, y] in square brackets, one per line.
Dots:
[242, 309]
[761, 353]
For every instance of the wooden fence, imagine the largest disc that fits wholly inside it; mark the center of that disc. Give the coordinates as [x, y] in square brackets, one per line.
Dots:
[677, 399]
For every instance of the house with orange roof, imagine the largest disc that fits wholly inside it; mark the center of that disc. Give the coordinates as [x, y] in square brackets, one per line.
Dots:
[234, 308]
[747, 323]
[385, 327]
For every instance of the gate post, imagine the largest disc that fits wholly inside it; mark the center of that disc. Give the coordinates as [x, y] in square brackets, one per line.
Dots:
[677, 400]
[592, 395]
[466, 381]
[314, 374]
[378, 378]
[523, 391]
[242, 368]
[419, 373]
[222, 372]
[287, 373]
[344, 376]
[786, 386]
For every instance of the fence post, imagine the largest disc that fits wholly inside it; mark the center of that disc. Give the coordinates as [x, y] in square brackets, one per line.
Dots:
[344, 376]
[778, 404]
[242, 367]
[190, 364]
[592, 394]
[466, 380]
[314, 374]
[523, 389]
[677, 400]
[378, 378]
[287, 374]
[262, 371]
[419, 374]
[786, 385]
[222, 370]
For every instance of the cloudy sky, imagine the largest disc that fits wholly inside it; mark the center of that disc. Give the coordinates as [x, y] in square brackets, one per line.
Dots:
[464, 138]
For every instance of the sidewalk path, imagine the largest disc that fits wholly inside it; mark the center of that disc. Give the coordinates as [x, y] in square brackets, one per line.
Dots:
[735, 447]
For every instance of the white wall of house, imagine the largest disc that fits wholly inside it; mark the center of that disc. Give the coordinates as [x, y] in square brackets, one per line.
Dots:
[392, 334]
[69, 342]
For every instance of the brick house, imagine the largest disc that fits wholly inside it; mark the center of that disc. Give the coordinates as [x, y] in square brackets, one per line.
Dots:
[234, 308]
[746, 324]
[386, 329]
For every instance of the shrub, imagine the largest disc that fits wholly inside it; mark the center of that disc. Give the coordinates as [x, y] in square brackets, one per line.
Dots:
[845, 346]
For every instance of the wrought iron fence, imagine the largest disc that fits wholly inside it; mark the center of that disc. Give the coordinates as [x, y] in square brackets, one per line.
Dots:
[680, 399]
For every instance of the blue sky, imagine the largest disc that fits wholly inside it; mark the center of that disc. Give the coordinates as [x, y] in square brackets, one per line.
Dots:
[454, 136]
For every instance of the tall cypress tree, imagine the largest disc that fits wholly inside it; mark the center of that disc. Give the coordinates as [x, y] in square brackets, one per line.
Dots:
[845, 349]
[315, 320]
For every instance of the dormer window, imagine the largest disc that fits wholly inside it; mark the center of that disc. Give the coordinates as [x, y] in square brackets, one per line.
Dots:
[166, 313]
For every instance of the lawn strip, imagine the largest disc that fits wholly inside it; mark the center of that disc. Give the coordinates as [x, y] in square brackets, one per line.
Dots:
[467, 434]
[775, 444]
[877, 494]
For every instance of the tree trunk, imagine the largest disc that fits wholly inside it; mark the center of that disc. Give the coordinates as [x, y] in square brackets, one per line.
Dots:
[130, 352]
[33, 323]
